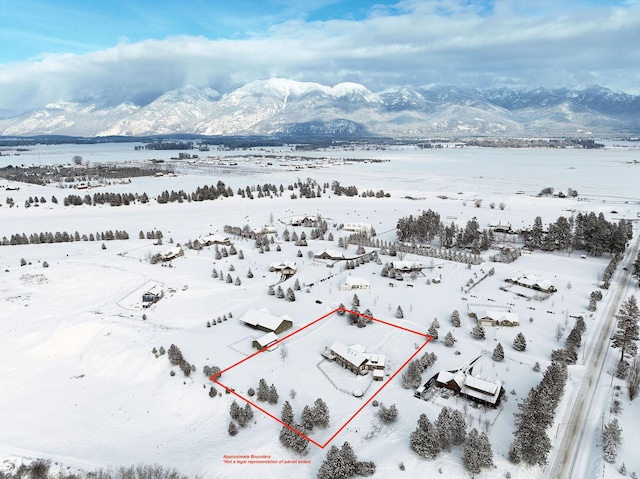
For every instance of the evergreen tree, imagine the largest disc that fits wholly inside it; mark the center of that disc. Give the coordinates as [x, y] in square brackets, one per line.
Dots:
[356, 301]
[287, 413]
[291, 439]
[263, 390]
[433, 332]
[478, 332]
[425, 440]
[271, 291]
[273, 395]
[458, 427]
[443, 426]
[320, 413]
[477, 452]
[296, 285]
[519, 343]
[329, 469]
[449, 339]
[399, 313]
[233, 429]
[574, 339]
[280, 292]
[611, 439]
[412, 376]
[306, 418]
[290, 295]
[455, 318]
[627, 333]
[388, 415]
[498, 353]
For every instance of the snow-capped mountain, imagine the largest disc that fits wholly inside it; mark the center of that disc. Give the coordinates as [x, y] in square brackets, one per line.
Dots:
[280, 106]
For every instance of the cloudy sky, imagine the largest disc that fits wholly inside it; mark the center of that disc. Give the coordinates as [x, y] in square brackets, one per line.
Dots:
[134, 50]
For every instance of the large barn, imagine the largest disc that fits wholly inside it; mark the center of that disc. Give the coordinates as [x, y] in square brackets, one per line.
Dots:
[263, 320]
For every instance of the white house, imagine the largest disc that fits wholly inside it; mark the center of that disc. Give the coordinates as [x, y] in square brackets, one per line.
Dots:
[213, 239]
[352, 283]
[358, 227]
[532, 281]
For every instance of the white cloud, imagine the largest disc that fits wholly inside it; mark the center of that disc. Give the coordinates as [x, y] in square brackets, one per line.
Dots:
[418, 45]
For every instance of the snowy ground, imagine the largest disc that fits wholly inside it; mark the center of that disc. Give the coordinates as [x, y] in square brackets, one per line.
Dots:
[82, 387]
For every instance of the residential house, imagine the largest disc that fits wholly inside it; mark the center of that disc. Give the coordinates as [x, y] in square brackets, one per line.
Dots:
[352, 283]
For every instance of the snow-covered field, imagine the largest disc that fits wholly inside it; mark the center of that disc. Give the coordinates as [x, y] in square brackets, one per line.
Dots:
[81, 386]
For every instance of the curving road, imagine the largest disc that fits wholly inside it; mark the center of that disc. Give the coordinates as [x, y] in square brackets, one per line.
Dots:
[572, 454]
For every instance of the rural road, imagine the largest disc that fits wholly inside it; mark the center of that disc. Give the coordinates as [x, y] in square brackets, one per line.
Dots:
[571, 455]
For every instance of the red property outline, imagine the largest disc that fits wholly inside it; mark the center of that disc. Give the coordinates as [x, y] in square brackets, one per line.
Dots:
[322, 446]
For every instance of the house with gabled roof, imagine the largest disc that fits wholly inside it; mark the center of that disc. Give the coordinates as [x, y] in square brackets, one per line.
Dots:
[263, 320]
[329, 254]
[352, 283]
[213, 239]
[356, 359]
[464, 383]
[532, 281]
[267, 341]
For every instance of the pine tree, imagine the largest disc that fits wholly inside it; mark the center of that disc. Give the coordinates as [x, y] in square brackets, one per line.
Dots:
[519, 342]
[574, 339]
[424, 440]
[291, 439]
[498, 353]
[478, 332]
[273, 395]
[296, 285]
[477, 452]
[287, 413]
[388, 415]
[271, 291]
[329, 467]
[290, 295]
[306, 418]
[443, 425]
[458, 427]
[412, 376]
[611, 439]
[449, 339]
[535, 415]
[399, 313]
[320, 413]
[348, 459]
[356, 301]
[455, 318]
[433, 332]
[233, 429]
[280, 292]
[627, 333]
[263, 390]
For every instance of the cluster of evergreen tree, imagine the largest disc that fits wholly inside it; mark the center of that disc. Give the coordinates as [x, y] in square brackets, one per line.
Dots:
[267, 393]
[611, 439]
[627, 333]
[449, 430]
[389, 414]
[176, 359]
[63, 237]
[531, 443]
[609, 270]
[243, 415]
[113, 199]
[316, 416]
[412, 375]
[210, 371]
[569, 354]
[168, 145]
[289, 437]
[377, 194]
[340, 190]
[343, 463]
[587, 232]
[427, 227]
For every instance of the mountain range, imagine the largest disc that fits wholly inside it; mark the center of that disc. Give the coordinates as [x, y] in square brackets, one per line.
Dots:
[280, 106]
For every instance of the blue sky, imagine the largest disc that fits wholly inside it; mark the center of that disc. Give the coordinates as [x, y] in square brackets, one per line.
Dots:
[134, 50]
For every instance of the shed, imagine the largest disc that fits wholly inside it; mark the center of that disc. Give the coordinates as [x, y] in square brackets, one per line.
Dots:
[266, 341]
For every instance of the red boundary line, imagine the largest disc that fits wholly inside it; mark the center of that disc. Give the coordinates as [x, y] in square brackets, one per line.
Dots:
[322, 446]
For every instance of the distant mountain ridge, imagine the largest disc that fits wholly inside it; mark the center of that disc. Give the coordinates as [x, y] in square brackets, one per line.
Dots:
[280, 106]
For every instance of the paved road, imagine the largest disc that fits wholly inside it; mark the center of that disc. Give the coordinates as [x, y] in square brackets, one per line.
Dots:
[569, 458]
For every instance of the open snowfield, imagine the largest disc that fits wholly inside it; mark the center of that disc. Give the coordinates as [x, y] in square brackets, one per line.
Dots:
[81, 386]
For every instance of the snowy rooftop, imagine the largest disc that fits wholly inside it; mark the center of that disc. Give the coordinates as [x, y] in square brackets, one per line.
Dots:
[262, 317]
